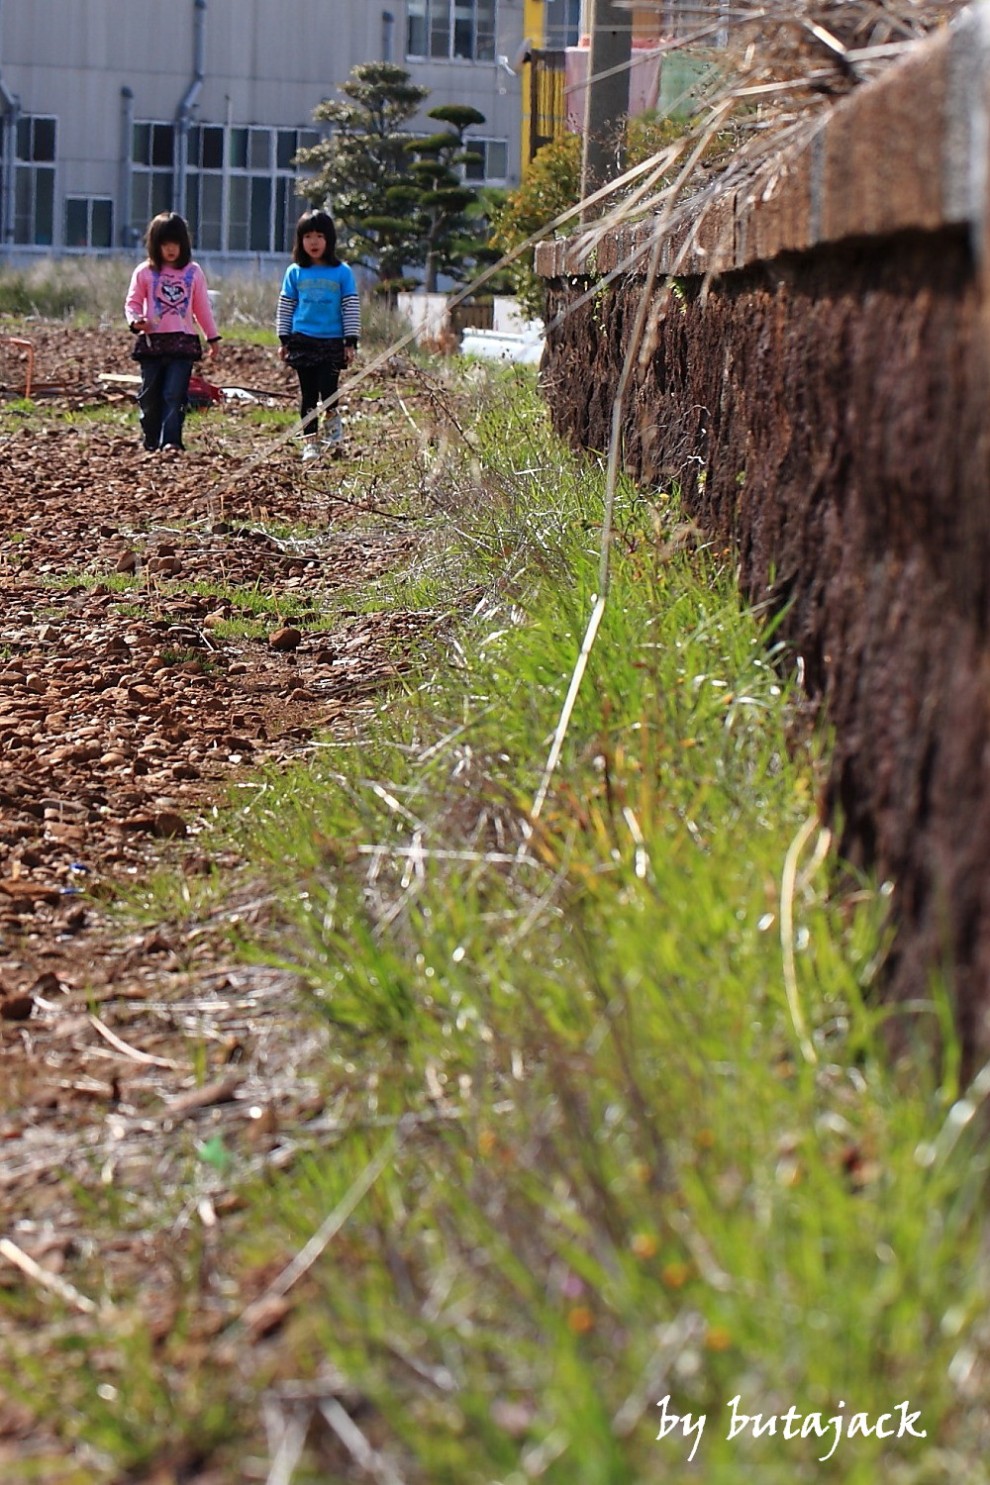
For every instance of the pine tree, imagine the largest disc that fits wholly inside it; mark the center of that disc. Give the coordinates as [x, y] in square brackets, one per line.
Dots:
[362, 170]
[399, 199]
[442, 201]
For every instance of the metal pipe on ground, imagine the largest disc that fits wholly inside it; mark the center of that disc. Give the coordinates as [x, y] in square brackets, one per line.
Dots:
[27, 345]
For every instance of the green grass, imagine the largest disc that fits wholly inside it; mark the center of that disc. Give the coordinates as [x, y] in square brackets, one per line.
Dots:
[614, 1118]
[271, 418]
[257, 607]
[19, 407]
[244, 333]
[22, 295]
[98, 414]
[112, 582]
[647, 1165]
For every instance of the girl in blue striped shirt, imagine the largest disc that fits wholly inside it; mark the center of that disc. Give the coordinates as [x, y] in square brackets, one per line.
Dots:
[318, 324]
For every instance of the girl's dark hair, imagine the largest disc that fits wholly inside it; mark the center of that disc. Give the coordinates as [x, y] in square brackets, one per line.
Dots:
[168, 226]
[316, 221]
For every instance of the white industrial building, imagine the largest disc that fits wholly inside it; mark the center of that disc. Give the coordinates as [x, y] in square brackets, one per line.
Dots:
[113, 110]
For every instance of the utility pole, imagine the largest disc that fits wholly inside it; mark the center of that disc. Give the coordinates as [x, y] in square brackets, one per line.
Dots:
[607, 97]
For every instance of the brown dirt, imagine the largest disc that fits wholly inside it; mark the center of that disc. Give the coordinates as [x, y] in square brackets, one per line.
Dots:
[124, 721]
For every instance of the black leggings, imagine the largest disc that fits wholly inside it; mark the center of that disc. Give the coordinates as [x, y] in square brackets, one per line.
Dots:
[316, 384]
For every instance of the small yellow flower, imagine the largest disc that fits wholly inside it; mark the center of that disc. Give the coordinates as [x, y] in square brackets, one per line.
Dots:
[644, 1245]
[675, 1275]
[580, 1319]
[717, 1338]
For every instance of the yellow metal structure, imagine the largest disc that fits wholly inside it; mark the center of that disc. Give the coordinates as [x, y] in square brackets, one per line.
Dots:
[534, 29]
[547, 75]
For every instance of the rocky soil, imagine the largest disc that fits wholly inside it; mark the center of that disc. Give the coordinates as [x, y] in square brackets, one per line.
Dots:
[128, 714]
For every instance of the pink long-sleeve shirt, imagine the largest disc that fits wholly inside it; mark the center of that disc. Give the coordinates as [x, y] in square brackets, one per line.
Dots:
[170, 299]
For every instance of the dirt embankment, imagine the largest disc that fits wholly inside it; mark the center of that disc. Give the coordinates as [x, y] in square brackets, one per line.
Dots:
[825, 413]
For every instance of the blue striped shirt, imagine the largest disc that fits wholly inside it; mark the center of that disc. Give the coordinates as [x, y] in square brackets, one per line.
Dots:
[319, 301]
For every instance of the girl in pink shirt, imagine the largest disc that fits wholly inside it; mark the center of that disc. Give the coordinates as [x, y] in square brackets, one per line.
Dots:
[166, 301]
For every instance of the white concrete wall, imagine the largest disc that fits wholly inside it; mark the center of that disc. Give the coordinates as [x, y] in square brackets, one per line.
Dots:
[426, 313]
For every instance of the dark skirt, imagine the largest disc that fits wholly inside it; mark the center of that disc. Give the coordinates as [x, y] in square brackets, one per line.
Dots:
[178, 344]
[311, 350]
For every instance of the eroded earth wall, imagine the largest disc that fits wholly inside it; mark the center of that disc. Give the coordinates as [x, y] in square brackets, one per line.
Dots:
[825, 408]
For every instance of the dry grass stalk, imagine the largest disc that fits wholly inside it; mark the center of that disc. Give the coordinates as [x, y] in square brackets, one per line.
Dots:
[133, 1053]
[43, 1277]
[778, 71]
[327, 1231]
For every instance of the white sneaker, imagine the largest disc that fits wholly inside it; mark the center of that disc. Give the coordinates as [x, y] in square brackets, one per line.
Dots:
[334, 433]
[310, 451]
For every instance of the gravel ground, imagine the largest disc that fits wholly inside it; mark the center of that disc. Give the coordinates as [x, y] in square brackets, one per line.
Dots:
[126, 717]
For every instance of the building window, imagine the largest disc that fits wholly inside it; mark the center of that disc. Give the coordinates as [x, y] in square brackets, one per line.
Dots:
[458, 30]
[34, 181]
[152, 174]
[240, 183]
[562, 26]
[88, 222]
[204, 186]
[493, 167]
[241, 187]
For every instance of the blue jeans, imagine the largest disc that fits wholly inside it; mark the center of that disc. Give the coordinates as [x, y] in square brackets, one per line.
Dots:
[162, 400]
